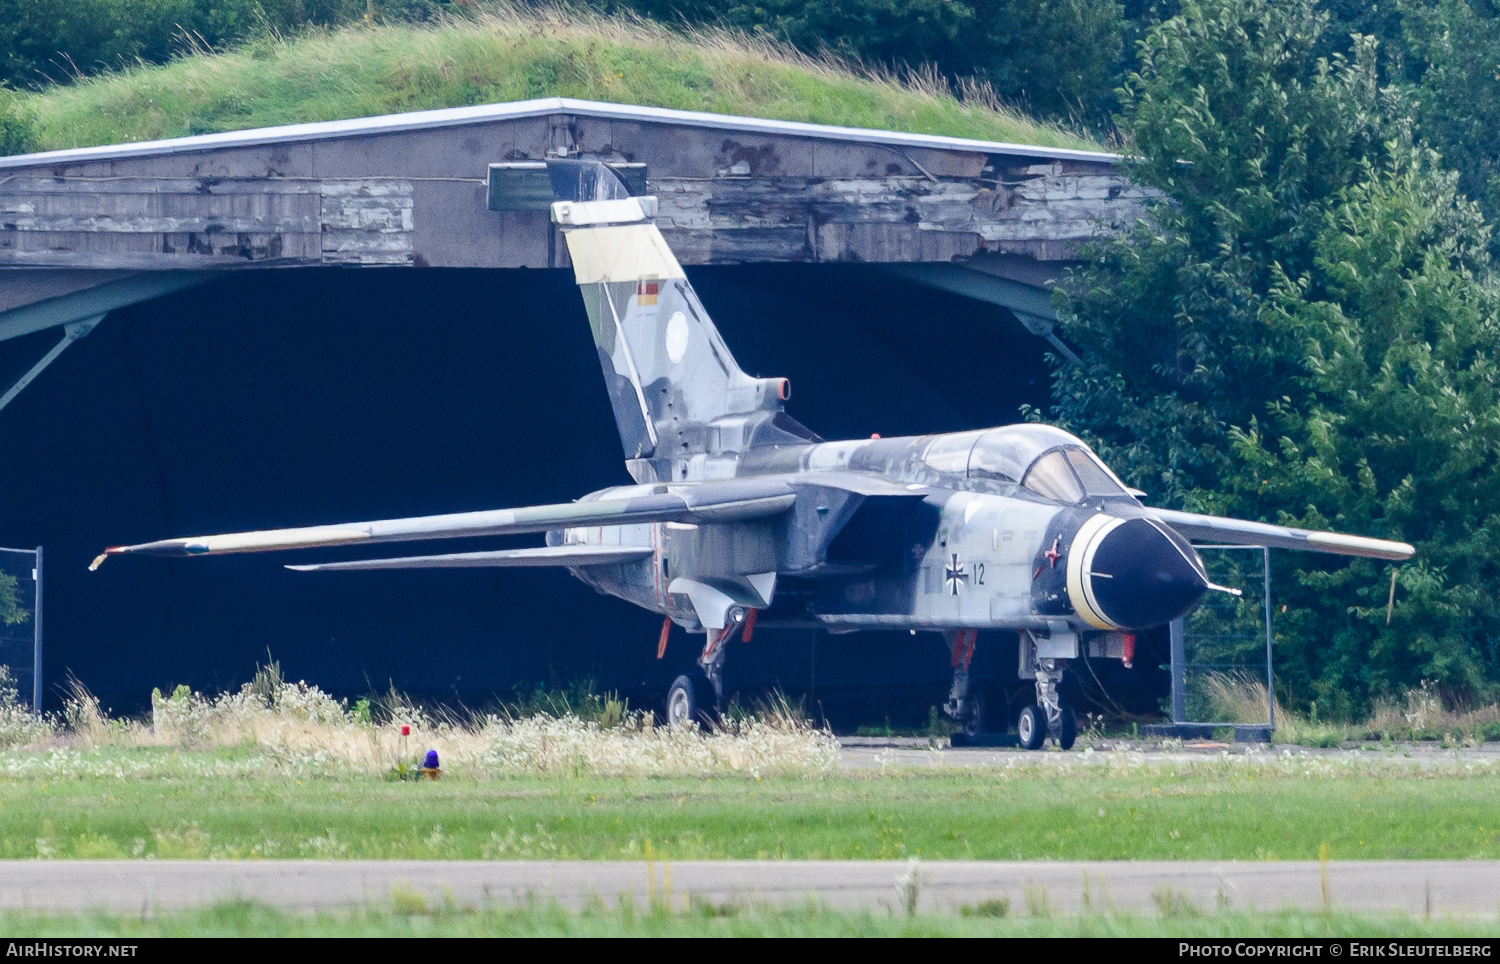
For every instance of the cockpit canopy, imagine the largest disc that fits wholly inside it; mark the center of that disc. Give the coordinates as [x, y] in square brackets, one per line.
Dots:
[1046, 460]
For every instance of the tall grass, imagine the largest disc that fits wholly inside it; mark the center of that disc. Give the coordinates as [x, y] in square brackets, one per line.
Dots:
[407, 912]
[509, 53]
[1418, 714]
[300, 727]
[18, 724]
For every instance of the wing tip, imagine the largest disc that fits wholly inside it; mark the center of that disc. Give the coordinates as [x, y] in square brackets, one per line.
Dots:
[1361, 546]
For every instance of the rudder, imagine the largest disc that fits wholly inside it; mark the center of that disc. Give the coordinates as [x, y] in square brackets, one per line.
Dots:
[684, 407]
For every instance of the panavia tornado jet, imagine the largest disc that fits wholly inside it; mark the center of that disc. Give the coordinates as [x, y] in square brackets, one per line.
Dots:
[739, 513]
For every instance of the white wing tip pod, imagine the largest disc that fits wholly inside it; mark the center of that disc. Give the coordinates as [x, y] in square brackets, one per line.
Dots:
[261, 541]
[1361, 546]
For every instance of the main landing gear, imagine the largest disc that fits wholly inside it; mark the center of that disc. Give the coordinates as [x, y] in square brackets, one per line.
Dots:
[967, 706]
[685, 702]
[688, 699]
[964, 707]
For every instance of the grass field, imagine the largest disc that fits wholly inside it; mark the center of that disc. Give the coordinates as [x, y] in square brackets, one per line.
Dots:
[240, 803]
[707, 920]
[505, 54]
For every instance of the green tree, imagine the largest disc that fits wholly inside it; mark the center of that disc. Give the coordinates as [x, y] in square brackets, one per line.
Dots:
[1453, 54]
[12, 613]
[1303, 332]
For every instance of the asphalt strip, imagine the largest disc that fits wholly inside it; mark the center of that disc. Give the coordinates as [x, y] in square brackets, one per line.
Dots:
[1426, 887]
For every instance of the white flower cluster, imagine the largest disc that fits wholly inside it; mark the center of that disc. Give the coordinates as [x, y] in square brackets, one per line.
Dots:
[569, 745]
[189, 717]
[1424, 706]
[18, 724]
[296, 727]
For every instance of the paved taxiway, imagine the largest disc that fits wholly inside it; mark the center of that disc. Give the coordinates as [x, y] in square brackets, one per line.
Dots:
[866, 753]
[1441, 888]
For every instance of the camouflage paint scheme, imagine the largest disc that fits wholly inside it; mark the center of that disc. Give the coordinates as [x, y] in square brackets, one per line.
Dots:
[738, 512]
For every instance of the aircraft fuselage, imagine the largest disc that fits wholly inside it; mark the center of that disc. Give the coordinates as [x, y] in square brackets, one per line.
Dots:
[952, 551]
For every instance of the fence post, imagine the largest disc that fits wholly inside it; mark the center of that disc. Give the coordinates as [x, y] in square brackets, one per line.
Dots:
[36, 638]
[1178, 633]
[1270, 675]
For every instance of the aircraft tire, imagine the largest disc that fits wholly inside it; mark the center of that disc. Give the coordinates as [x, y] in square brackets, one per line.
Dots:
[1067, 729]
[686, 703]
[978, 720]
[1032, 727]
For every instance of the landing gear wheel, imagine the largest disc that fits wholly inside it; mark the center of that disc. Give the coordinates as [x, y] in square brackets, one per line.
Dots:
[684, 704]
[977, 719]
[1032, 727]
[1067, 729]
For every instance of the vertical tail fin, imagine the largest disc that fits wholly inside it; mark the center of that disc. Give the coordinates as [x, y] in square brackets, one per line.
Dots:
[684, 407]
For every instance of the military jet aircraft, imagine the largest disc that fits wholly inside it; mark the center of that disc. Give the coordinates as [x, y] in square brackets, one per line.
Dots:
[737, 512]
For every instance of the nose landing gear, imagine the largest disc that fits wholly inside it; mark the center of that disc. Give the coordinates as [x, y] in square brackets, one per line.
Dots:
[1048, 715]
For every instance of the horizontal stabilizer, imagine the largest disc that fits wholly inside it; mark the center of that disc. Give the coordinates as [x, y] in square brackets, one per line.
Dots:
[727, 501]
[571, 556]
[1208, 528]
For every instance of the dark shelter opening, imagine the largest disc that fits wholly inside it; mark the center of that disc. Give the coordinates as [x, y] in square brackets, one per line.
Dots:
[305, 396]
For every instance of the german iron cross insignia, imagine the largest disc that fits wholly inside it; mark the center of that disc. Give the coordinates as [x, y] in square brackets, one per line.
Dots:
[955, 575]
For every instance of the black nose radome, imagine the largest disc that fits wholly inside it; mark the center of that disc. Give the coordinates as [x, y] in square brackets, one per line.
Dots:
[1133, 574]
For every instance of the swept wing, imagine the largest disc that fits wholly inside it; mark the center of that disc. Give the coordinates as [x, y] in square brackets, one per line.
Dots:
[571, 556]
[1207, 528]
[728, 501]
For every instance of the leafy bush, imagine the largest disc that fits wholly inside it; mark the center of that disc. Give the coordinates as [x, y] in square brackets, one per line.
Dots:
[1452, 47]
[12, 613]
[1305, 333]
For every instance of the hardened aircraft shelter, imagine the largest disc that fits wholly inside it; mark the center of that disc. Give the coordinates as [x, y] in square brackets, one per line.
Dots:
[375, 317]
[85, 231]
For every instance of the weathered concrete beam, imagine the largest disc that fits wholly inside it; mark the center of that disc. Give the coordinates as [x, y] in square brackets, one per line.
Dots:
[82, 231]
[171, 222]
[194, 222]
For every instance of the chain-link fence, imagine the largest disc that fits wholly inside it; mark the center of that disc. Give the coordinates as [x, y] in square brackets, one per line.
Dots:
[21, 620]
[1224, 665]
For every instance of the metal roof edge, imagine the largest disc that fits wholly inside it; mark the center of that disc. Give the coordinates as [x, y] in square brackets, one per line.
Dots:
[458, 116]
